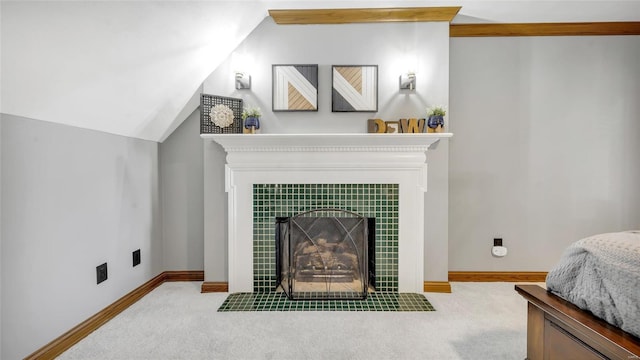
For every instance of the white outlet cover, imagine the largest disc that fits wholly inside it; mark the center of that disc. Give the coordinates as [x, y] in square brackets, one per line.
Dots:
[499, 251]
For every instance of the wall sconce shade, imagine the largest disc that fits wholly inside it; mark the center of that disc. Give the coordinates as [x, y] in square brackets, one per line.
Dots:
[243, 81]
[408, 81]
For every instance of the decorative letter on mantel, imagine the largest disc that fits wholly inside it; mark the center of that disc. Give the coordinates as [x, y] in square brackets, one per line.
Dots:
[406, 126]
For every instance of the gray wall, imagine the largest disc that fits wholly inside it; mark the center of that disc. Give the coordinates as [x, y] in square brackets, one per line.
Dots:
[546, 147]
[395, 48]
[538, 181]
[182, 184]
[1, 270]
[72, 199]
[545, 152]
[422, 47]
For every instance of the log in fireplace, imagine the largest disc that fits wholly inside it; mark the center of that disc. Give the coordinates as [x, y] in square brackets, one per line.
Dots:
[325, 254]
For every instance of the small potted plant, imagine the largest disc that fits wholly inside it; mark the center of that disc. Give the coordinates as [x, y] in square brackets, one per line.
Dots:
[251, 119]
[435, 119]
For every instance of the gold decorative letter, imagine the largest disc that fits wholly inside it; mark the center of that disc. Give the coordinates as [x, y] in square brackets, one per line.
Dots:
[376, 126]
[392, 126]
[412, 125]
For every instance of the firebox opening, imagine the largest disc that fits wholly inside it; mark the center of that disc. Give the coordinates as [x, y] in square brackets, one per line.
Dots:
[325, 254]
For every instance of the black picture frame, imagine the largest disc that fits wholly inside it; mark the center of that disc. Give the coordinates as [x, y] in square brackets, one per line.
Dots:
[354, 88]
[294, 87]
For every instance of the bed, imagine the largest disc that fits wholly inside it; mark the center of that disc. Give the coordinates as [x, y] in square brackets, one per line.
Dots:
[591, 307]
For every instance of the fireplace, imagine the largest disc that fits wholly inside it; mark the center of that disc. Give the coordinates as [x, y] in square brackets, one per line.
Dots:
[325, 254]
[265, 162]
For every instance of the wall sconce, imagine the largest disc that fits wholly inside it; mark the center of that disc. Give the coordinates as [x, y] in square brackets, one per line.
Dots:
[243, 81]
[408, 81]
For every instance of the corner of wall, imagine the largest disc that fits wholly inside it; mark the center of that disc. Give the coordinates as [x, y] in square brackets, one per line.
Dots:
[1, 261]
[187, 110]
[181, 195]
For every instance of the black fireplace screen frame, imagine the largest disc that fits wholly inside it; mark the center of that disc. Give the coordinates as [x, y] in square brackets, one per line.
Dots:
[288, 271]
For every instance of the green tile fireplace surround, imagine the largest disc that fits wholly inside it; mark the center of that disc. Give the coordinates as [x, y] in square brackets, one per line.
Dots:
[379, 201]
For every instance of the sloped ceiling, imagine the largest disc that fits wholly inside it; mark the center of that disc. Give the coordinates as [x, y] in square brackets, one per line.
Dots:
[131, 67]
[126, 68]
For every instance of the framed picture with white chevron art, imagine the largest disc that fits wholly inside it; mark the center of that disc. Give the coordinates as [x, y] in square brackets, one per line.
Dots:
[355, 88]
[295, 88]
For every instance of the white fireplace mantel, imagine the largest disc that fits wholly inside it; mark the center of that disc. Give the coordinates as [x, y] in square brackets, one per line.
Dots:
[326, 159]
[326, 142]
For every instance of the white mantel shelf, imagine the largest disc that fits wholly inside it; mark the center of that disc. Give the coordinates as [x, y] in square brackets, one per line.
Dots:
[326, 142]
[327, 159]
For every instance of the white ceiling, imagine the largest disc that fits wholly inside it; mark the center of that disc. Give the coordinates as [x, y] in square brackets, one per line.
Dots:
[131, 67]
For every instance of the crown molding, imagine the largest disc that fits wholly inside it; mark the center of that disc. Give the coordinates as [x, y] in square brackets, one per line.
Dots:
[364, 15]
[544, 29]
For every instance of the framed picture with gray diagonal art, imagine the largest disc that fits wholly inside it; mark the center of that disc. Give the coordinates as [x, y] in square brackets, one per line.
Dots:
[354, 88]
[295, 88]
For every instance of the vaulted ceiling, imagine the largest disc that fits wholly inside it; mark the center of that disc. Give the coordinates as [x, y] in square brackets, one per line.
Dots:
[132, 67]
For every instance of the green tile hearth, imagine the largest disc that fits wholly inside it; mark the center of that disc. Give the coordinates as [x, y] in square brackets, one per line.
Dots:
[278, 301]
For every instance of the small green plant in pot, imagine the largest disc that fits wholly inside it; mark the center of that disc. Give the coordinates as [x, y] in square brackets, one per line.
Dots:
[435, 118]
[251, 119]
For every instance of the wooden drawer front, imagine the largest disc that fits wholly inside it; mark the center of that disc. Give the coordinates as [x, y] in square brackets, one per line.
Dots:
[560, 345]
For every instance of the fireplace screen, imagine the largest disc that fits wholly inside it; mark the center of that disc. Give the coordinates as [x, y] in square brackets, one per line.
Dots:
[325, 254]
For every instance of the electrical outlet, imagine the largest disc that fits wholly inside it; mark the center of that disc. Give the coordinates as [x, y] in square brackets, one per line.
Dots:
[101, 273]
[136, 257]
[498, 250]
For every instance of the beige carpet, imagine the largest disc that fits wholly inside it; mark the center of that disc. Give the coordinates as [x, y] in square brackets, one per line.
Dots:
[477, 321]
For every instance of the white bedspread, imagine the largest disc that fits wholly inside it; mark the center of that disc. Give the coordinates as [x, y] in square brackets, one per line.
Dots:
[601, 274]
